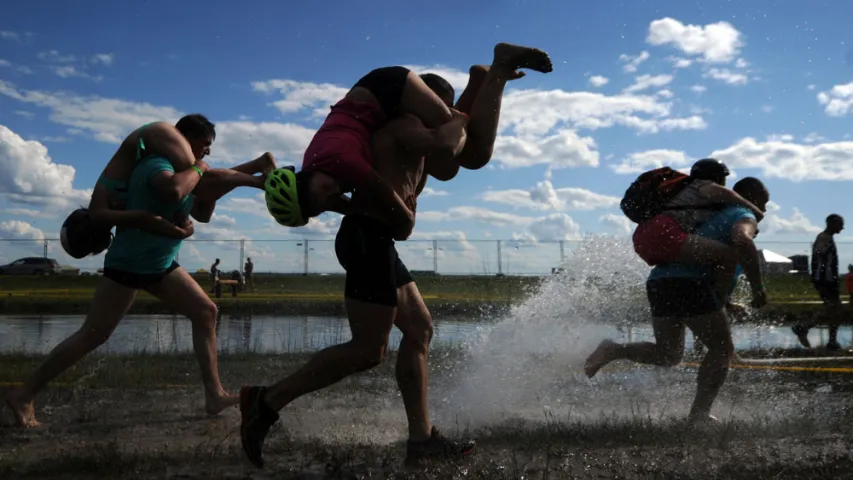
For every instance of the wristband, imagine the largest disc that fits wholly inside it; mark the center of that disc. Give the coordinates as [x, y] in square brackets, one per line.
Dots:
[198, 170]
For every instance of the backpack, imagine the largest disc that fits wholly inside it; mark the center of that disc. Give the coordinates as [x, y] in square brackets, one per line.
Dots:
[651, 191]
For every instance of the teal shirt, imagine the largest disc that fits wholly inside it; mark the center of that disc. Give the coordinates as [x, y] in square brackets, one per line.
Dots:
[140, 251]
[719, 228]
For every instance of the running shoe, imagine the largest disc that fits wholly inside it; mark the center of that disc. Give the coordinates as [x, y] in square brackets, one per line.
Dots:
[802, 334]
[438, 446]
[257, 419]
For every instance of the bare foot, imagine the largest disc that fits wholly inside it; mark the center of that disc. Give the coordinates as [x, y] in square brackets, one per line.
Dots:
[477, 73]
[263, 164]
[514, 57]
[215, 404]
[600, 357]
[267, 162]
[25, 412]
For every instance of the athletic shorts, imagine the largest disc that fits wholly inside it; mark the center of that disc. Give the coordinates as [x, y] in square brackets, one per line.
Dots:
[386, 84]
[681, 297]
[830, 293]
[365, 248]
[138, 281]
[659, 239]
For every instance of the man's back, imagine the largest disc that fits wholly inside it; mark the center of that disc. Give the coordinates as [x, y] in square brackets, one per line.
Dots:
[141, 251]
[824, 258]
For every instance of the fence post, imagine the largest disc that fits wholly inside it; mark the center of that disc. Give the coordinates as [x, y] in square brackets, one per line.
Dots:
[435, 256]
[305, 242]
[242, 253]
[562, 252]
[45, 248]
[500, 261]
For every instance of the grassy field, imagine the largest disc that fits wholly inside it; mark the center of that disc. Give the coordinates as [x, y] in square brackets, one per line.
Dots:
[323, 294]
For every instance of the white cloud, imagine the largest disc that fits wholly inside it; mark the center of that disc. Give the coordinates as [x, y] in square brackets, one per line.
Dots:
[27, 212]
[767, 108]
[678, 62]
[69, 71]
[699, 88]
[781, 158]
[644, 82]
[772, 206]
[564, 149]
[633, 61]
[813, 137]
[7, 35]
[17, 229]
[29, 175]
[598, 81]
[431, 192]
[641, 161]
[456, 78]
[665, 93]
[837, 101]
[718, 42]
[543, 196]
[617, 223]
[18, 68]
[300, 95]
[53, 56]
[219, 219]
[741, 63]
[557, 226]
[796, 224]
[253, 206]
[103, 58]
[110, 120]
[811, 86]
[727, 76]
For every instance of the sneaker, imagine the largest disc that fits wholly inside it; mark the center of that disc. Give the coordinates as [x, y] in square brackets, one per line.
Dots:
[438, 446]
[257, 418]
[833, 346]
[802, 334]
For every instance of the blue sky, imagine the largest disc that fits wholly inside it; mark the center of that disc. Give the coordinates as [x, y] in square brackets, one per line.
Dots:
[765, 86]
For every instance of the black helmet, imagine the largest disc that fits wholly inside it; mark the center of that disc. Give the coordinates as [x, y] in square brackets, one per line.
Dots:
[710, 169]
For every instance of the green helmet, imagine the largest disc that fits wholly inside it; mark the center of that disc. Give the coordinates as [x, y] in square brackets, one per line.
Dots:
[282, 199]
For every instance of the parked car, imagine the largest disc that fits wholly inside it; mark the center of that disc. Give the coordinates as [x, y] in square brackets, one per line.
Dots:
[32, 266]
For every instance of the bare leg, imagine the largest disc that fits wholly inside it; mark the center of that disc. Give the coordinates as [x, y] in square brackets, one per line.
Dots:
[667, 350]
[218, 182]
[179, 291]
[263, 164]
[476, 78]
[370, 325]
[110, 303]
[713, 330]
[415, 321]
[486, 108]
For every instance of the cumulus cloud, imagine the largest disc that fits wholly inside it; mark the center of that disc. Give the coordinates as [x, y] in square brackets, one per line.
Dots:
[632, 62]
[17, 229]
[543, 196]
[837, 101]
[641, 161]
[598, 81]
[431, 192]
[718, 42]
[792, 161]
[797, 223]
[564, 149]
[727, 76]
[644, 82]
[615, 223]
[557, 226]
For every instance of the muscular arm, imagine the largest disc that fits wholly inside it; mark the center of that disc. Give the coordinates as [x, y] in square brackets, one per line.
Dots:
[106, 217]
[377, 199]
[164, 139]
[719, 194]
[440, 146]
[743, 233]
[175, 186]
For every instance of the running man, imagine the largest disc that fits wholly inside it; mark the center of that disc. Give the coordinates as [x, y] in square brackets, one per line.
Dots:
[379, 293]
[681, 295]
[142, 260]
[338, 160]
[826, 282]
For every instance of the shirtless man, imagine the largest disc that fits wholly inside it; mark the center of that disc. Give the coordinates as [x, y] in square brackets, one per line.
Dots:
[139, 259]
[338, 159]
[379, 293]
[87, 230]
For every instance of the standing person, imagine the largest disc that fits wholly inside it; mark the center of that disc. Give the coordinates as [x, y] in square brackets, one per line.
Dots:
[248, 268]
[683, 296]
[214, 274]
[142, 260]
[825, 279]
[379, 294]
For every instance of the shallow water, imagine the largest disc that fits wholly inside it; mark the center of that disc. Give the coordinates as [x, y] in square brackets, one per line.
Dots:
[283, 334]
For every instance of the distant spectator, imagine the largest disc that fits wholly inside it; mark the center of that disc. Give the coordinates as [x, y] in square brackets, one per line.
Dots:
[247, 274]
[826, 281]
[214, 274]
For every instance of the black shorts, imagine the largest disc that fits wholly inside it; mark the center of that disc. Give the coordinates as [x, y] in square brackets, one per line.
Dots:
[830, 292]
[681, 297]
[138, 281]
[386, 84]
[365, 248]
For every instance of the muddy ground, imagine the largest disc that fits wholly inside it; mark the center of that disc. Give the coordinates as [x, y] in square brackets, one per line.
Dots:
[140, 417]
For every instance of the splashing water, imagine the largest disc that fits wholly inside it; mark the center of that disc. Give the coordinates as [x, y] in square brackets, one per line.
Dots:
[520, 362]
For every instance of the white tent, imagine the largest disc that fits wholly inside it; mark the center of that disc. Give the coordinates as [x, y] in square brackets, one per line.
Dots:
[772, 262]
